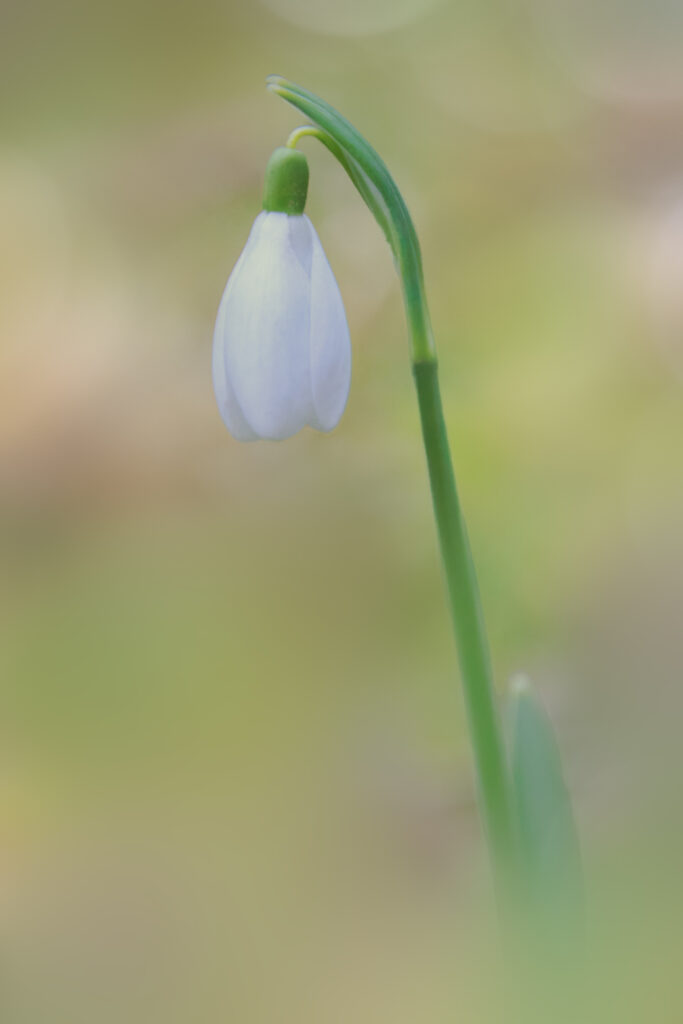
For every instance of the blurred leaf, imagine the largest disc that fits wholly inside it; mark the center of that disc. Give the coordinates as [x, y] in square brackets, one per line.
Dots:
[549, 847]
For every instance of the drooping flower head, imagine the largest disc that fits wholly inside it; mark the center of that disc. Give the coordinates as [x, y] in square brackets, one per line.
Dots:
[281, 348]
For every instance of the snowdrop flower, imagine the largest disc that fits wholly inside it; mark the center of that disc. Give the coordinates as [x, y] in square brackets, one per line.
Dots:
[281, 347]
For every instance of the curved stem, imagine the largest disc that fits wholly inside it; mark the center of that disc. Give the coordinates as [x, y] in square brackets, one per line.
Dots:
[407, 247]
[368, 194]
[377, 188]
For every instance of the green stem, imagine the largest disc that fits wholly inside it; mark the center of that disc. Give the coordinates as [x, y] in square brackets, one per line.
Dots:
[367, 165]
[377, 188]
[470, 633]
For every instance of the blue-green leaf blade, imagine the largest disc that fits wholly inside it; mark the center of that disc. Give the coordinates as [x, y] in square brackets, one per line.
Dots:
[548, 839]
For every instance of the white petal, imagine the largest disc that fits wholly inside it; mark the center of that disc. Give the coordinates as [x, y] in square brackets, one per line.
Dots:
[265, 329]
[330, 342]
[228, 407]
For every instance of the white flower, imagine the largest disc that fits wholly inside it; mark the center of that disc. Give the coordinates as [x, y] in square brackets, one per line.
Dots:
[281, 347]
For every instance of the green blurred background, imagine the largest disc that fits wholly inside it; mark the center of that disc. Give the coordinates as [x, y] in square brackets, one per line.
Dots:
[235, 783]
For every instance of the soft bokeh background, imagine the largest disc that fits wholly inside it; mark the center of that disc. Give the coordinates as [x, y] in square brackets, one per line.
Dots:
[234, 777]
